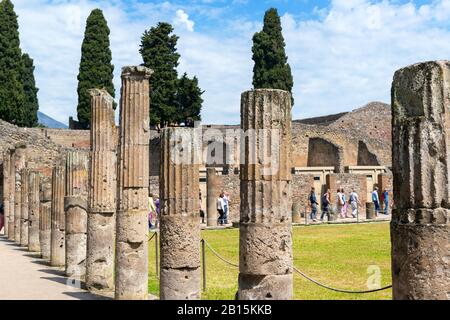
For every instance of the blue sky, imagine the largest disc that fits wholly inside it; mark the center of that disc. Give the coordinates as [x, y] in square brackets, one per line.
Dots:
[343, 53]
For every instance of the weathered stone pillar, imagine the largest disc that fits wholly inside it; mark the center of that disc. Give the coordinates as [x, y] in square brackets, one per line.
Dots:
[24, 208]
[19, 164]
[45, 214]
[265, 224]
[33, 211]
[212, 194]
[180, 228]
[131, 282]
[370, 211]
[102, 194]
[296, 214]
[12, 193]
[58, 243]
[6, 188]
[75, 207]
[420, 227]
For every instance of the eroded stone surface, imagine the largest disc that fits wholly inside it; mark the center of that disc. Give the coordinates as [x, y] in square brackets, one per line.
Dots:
[6, 188]
[102, 193]
[45, 214]
[131, 281]
[58, 242]
[24, 176]
[179, 227]
[212, 191]
[33, 211]
[19, 164]
[75, 207]
[266, 220]
[420, 228]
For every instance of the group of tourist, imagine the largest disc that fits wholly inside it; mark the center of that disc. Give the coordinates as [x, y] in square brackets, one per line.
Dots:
[345, 205]
[223, 207]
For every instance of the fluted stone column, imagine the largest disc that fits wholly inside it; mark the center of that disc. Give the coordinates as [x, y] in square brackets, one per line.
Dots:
[6, 188]
[75, 207]
[265, 264]
[24, 208]
[45, 217]
[19, 163]
[179, 227]
[58, 243]
[102, 194]
[131, 282]
[33, 211]
[212, 194]
[12, 193]
[420, 227]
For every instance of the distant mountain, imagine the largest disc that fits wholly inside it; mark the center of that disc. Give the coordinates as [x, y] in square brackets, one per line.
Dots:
[50, 122]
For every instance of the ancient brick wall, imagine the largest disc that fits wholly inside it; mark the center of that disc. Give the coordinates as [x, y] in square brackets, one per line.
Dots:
[348, 181]
[65, 137]
[301, 187]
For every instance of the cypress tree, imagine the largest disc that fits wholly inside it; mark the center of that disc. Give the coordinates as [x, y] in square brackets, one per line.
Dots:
[96, 69]
[159, 52]
[271, 69]
[189, 100]
[12, 97]
[29, 86]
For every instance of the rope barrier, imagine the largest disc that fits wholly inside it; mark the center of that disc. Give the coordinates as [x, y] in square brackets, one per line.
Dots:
[150, 238]
[338, 290]
[303, 275]
[219, 256]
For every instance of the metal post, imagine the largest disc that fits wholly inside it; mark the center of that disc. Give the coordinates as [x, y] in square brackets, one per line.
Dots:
[156, 256]
[204, 264]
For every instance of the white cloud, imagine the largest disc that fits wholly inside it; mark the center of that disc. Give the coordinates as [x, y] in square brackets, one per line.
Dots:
[342, 59]
[182, 18]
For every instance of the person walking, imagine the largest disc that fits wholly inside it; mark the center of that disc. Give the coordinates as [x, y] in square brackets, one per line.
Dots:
[152, 211]
[313, 203]
[226, 207]
[326, 201]
[340, 203]
[354, 203]
[385, 199]
[158, 211]
[345, 205]
[220, 208]
[200, 209]
[2, 217]
[376, 201]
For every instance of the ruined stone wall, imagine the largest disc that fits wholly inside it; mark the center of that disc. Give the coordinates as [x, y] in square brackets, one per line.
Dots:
[301, 187]
[348, 181]
[41, 152]
[65, 137]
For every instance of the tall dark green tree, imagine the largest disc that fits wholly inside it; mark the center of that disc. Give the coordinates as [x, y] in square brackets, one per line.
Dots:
[96, 69]
[29, 86]
[189, 100]
[12, 96]
[271, 68]
[159, 52]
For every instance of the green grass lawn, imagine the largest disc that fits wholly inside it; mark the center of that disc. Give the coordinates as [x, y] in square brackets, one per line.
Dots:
[337, 255]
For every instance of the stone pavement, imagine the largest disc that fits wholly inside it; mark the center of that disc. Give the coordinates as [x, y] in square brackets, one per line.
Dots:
[24, 276]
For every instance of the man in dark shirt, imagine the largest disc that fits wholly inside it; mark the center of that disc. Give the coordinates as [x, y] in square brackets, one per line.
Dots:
[313, 203]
